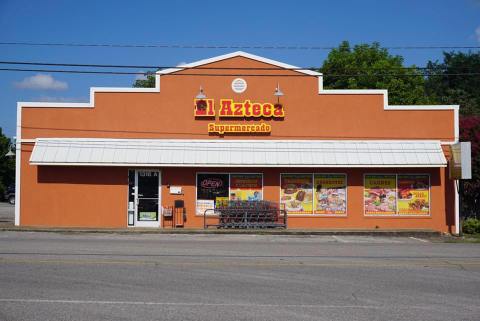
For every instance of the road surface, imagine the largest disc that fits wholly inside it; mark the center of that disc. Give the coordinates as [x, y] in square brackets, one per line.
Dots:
[94, 276]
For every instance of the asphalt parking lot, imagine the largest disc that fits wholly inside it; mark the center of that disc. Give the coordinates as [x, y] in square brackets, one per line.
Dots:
[94, 276]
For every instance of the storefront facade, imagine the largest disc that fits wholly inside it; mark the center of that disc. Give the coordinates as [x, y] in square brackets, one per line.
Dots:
[210, 132]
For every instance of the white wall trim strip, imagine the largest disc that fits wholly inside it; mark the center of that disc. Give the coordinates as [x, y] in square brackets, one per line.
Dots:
[18, 164]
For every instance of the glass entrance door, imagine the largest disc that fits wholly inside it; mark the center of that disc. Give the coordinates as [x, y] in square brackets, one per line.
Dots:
[147, 198]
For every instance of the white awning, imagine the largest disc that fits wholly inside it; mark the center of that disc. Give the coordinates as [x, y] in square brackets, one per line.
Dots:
[236, 153]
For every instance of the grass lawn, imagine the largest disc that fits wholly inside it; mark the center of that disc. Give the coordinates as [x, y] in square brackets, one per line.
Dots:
[465, 238]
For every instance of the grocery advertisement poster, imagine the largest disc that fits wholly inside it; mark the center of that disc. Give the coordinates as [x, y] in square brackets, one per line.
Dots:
[330, 194]
[297, 193]
[203, 205]
[221, 201]
[414, 194]
[380, 194]
[246, 187]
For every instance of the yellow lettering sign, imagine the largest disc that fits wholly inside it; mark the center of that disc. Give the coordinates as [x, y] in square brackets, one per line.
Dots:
[238, 128]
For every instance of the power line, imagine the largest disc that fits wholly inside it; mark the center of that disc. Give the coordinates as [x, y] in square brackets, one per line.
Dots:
[32, 63]
[240, 74]
[189, 46]
[156, 133]
[143, 73]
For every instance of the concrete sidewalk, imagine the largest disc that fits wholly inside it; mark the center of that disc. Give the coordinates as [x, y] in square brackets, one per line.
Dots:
[7, 224]
[405, 233]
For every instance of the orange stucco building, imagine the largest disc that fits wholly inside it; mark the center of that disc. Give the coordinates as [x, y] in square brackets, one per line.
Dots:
[236, 127]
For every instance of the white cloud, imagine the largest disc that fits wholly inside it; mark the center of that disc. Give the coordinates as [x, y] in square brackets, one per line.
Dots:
[477, 33]
[140, 77]
[41, 81]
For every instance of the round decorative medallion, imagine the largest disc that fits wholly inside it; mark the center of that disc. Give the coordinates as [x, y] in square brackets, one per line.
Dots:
[239, 85]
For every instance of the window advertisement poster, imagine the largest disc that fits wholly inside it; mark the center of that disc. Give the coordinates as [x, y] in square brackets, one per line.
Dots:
[246, 187]
[221, 201]
[414, 194]
[211, 188]
[380, 194]
[297, 193]
[147, 216]
[330, 194]
[203, 205]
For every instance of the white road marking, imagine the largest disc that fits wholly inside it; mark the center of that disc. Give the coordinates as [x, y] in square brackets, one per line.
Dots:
[421, 240]
[337, 238]
[316, 306]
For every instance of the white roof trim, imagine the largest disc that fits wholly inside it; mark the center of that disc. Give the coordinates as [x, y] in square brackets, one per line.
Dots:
[91, 103]
[236, 153]
[238, 54]
[386, 106]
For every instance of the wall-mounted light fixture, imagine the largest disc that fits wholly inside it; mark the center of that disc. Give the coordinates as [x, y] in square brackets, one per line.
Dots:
[201, 94]
[278, 93]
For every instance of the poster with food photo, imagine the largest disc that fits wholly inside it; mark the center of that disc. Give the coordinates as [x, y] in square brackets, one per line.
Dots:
[245, 187]
[297, 193]
[413, 194]
[330, 194]
[380, 194]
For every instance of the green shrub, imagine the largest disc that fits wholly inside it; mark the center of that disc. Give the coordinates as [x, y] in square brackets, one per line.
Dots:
[471, 226]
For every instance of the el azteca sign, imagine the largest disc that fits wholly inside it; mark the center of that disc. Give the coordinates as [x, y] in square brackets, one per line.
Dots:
[205, 108]
[229, 108]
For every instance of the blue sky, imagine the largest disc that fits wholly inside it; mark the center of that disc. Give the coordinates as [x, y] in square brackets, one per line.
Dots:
[308, 23]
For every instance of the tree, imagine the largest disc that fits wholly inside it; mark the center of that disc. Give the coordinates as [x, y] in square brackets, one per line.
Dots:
[148, 82]
[372, 67]
[7, 164]
[448, 83]
[470, 189]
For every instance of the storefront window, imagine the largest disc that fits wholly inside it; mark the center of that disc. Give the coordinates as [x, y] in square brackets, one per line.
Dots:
[246, 187]
[297, 193]
[403, 194]
[211, 188]
[413, 194]
[330, 194]
[380, 194]
[215, 188]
